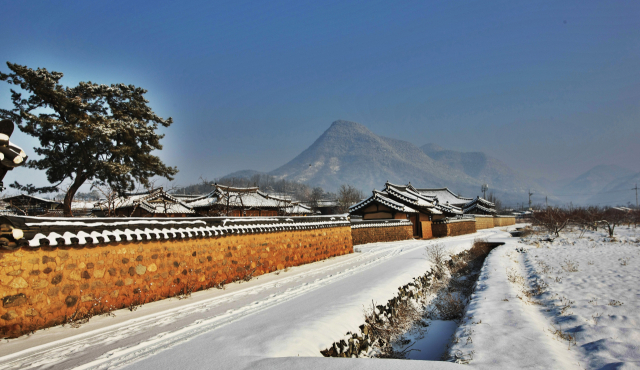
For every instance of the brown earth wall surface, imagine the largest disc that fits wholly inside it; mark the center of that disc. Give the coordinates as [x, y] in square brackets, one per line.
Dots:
[484, 223]
[381, 234]
[504, 221]
[427, 231]
[49, 286]
[453, 229]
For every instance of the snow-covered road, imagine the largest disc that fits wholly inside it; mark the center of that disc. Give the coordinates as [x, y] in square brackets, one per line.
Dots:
[289, 314]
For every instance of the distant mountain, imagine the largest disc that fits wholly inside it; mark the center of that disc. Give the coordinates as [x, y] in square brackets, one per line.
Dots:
[584, 187]
[617, 192]
[243, 174]
[348, 153]
[480, 166]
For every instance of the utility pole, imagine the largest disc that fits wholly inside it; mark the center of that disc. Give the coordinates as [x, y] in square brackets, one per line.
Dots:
[636, 189]
[484, 190]
[546, 201]
[530, 194]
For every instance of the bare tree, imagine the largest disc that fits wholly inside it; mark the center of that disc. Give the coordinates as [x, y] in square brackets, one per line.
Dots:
[552, 219]
[612, 218]
[347, 196]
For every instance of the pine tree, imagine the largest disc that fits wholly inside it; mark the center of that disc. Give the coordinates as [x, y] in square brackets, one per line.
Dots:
[87, 132]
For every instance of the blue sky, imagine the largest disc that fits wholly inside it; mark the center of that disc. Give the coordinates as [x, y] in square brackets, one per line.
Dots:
[549, 87]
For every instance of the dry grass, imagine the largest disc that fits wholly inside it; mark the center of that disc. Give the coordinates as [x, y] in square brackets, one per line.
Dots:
[570, 266]
[557, 331]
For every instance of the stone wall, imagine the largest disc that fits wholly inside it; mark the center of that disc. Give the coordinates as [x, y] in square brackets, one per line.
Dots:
[453, 227]
[483, 222]
[366, 235]
[46, 286]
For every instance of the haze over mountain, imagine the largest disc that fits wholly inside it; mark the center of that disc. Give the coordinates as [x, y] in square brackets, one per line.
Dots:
[617, 192]
[349, 153]
[585, 186]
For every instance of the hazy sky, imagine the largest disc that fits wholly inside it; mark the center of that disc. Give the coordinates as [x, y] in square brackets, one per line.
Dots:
[552, 88]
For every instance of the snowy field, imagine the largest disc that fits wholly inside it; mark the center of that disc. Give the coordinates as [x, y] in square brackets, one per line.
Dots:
[569, 303]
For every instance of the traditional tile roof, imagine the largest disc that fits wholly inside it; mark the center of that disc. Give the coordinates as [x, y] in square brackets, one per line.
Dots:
[383, 198]
[479, 204]
[238, 197]
[363, 224]
[444, 196]
[155, 201]
[40, 231]
[409, 194]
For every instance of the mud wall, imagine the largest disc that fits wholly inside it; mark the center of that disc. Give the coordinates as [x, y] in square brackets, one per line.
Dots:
[484, 222]
[453, 228]
[366, 235]
[504, 221]
[46, 286]
[427, 231]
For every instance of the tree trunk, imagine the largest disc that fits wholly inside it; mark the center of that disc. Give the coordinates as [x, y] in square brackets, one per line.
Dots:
[68, 198]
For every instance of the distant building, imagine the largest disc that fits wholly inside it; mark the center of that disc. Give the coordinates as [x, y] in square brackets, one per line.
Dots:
[29, 205]
[154, 203]
[480, 206]
[399, 202]
[245, 202]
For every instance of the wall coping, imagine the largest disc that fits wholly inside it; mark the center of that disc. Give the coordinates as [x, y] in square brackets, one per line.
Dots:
[25, 231]
[361, 224]
[453, 220]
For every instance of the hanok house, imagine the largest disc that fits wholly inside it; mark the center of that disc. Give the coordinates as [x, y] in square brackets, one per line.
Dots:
[479, 206]
[399, 202]
[28, 205]
[154, 203]
[446, 201]
[244, 202]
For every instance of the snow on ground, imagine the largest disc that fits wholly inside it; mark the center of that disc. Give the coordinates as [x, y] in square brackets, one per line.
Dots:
[569, 303]
[268, 321]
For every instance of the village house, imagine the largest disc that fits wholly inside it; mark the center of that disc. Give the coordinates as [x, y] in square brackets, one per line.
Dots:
[29, 205]
[153, 203]
[400, 202]
[480, 206]
[446, 201]
[245, 202]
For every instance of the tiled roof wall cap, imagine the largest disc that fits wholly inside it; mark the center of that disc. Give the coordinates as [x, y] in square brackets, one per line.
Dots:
[381, 223]
[53, 233]
[454, 220]
[483, 216]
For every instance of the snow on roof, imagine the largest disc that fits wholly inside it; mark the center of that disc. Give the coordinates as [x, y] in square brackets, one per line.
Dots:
[296, 208]
[238, 197]
[479, 207]
[81, 204]
[362, 224]
[444, 195]
[481, 204]
[154, 201]
[30, 196]
[69, 231]
[409, 194]
[382, 197]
